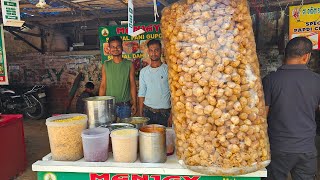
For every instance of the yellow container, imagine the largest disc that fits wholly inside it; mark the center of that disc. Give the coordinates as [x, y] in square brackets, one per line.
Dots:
[65, 136]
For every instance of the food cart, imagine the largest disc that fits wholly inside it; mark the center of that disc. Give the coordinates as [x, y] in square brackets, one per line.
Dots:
[61, 165]
[47, 169]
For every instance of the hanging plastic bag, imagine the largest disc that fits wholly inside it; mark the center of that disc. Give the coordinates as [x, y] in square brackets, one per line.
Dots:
[217, 95]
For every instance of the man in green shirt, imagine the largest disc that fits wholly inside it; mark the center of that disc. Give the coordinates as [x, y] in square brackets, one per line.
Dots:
[118, 80]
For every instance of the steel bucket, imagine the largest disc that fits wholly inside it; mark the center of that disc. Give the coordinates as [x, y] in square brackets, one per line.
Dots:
[100, 110]
[152, 144]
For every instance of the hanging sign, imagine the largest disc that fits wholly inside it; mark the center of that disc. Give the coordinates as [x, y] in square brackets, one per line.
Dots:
[3, 60]
[11, 13]
[130, 17]
[305, 21]
[131, 21]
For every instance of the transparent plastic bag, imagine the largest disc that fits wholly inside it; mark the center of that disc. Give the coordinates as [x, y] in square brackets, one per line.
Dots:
[217, 95]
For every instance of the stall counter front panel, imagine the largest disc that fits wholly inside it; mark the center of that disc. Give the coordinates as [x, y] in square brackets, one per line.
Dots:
[48, 169]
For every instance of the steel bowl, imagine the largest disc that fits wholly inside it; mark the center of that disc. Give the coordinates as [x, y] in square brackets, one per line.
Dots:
[138, 122]
[114, 126]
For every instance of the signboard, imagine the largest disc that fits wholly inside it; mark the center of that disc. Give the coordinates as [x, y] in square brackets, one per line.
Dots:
[134, 47]
[11, 13]
[305, 21]
[3, 60]
[95, 176]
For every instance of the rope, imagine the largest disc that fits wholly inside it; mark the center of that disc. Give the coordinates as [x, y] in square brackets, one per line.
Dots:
[155, 9]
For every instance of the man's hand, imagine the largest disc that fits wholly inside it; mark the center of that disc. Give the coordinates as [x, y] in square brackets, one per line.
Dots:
[141, 100]
[170, 120]
[133, 109]
[140, 113]
[103, 85]
[133, 91]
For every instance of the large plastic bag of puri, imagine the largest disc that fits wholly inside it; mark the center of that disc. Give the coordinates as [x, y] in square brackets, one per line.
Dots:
[217, 96]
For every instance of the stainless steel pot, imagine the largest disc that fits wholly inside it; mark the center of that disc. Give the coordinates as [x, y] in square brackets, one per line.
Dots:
[152, 144]
[100, 110]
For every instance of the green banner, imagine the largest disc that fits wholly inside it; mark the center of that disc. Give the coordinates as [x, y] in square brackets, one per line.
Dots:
[94, 176]
[3, 60]
[134, 48]
[10, 3]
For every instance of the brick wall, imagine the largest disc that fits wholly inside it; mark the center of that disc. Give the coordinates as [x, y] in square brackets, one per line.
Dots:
[57, 71]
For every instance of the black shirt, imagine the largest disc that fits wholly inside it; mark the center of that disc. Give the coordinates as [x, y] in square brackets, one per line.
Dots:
[292, 94]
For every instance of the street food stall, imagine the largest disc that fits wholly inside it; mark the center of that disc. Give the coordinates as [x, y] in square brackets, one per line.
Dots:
[155, 160]
[217, 102]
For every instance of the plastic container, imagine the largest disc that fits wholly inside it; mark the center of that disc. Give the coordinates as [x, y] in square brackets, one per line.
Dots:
[114, 126]
[95, 144]
[170, 138]
[125, 144]
[65, 136]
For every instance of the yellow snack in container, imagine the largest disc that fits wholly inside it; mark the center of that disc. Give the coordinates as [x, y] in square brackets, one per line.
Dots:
[65, 136]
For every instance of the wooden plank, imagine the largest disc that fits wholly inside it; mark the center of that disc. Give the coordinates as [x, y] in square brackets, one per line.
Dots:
[282, 3]
[49, 10]
[27, 6]
[164, 2]
[276, 6]
[70, 4]
[24, 40]
[68, 19]
[123, 2]
[80, 1]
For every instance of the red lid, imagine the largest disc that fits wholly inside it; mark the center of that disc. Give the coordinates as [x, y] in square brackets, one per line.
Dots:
[6, 119]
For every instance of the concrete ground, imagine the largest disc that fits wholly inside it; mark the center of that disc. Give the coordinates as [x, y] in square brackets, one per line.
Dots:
[37, 144]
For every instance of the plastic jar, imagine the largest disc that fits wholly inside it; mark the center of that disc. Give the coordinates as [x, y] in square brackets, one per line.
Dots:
[65, 136]
[125, 144]
[95, 144]
[170, 138]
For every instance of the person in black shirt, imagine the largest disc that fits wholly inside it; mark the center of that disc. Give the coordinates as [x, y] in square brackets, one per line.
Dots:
[292, 95]
[88, 92]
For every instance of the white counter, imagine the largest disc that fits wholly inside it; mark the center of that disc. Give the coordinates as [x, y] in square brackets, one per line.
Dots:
[170, 167]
